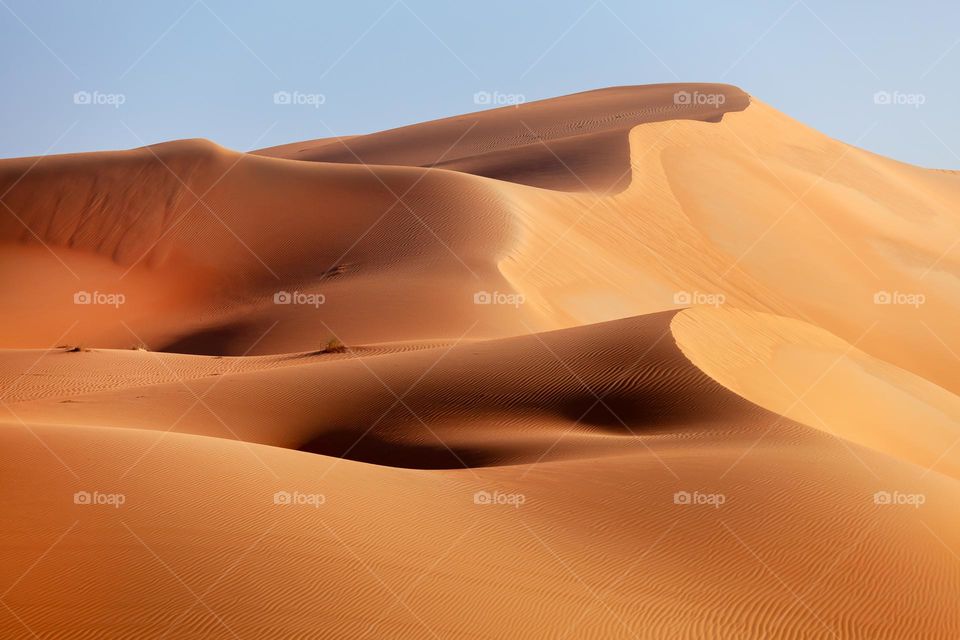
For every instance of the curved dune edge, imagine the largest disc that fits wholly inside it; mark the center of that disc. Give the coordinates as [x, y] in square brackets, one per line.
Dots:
[587, 392]
[809, 375]
[715, 209]
[572, 143]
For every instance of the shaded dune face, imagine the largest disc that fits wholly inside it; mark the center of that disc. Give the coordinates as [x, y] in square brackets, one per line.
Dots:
[570, 369]
[582, 392]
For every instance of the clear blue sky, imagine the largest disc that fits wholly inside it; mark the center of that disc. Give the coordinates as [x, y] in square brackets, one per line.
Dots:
[210, 68]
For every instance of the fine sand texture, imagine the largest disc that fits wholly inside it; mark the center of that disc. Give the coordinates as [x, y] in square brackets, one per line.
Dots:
[642, 362]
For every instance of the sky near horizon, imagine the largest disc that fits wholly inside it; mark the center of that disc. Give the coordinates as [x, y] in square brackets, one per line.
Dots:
[106, 74]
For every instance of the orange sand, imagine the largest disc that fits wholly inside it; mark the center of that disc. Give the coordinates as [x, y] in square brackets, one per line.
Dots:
[688, 412]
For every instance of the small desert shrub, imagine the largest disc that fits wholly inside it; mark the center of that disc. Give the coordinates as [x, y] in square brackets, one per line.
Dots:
[334, 346]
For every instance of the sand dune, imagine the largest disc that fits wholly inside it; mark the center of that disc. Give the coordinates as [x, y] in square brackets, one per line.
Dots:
[458, 406]
[643, 362]
[575, 143]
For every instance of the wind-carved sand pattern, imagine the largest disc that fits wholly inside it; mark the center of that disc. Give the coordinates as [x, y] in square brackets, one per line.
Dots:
[642, 362]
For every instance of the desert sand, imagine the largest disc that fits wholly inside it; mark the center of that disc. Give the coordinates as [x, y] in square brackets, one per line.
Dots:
[619, 364]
